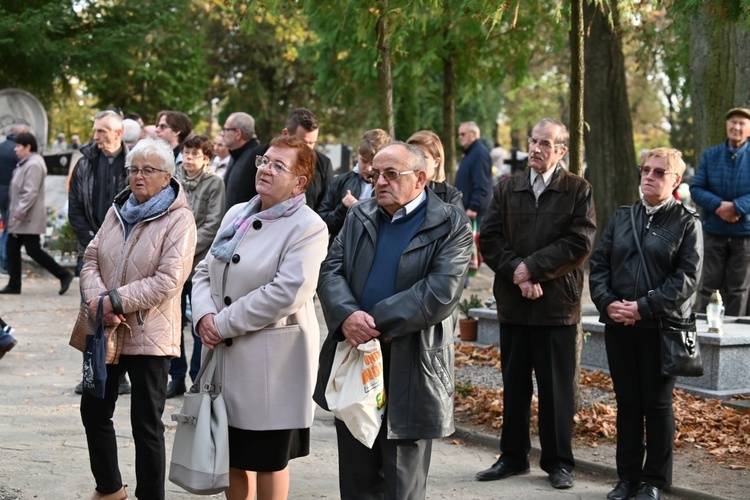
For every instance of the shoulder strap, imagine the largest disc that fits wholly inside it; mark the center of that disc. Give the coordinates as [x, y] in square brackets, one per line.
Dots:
[638, 246]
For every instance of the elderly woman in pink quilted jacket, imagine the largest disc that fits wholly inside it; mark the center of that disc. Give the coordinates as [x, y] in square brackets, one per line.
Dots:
[138, 261]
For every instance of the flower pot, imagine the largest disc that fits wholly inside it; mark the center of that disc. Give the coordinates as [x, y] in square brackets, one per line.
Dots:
[468, 329]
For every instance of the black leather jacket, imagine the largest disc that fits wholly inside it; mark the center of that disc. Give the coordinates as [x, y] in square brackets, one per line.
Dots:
[331, 210]
[86, 218]
[419, 319]
[672, 242]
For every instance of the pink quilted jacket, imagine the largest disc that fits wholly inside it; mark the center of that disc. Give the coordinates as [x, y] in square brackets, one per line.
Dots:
[148, 270]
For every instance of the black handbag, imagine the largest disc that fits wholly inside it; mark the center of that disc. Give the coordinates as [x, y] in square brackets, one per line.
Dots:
[680, 350]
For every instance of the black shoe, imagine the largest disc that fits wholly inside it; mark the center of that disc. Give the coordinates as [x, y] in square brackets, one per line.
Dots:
[624, 489]
[65, 283]
[9, 290]
[124, 387]
[561, 479]
[79, 388]
[7, 347]
[176, 388]
[501, 470]
[648, 492]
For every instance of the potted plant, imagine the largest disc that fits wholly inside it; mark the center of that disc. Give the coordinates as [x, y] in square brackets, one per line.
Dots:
[468, 326]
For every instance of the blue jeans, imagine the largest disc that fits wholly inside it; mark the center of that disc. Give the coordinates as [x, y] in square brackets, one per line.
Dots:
[3, 255]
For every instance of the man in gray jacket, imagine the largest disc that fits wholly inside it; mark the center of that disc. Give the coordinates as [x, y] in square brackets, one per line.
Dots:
[395, 273]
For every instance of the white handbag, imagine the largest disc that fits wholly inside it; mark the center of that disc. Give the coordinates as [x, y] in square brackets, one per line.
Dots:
[200, 455]
[356, 390]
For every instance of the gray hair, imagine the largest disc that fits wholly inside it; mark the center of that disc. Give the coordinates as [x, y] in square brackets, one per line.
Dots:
[562, 135]
[131, 131]
[414, 156]
[244, 122]
[114, 120]
[20, 126]
[473, 127]
[153, 148]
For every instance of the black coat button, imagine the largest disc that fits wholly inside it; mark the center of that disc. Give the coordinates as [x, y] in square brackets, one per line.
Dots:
[228, 342]
[236, 258]
[227, 300]
[257, 224]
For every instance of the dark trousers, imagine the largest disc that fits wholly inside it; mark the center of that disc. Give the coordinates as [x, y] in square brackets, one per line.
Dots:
[178, 367]
[394, 469]
[726, 267]
[148, 378]
[551, 352]
[34, 250]
[641, 393]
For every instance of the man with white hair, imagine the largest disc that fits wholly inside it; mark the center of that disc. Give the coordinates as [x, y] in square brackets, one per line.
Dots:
[474, 176]
[131, 132]
[239, 136]
[96, 179]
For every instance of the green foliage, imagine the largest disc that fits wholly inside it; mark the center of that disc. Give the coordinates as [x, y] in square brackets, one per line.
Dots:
[143, 55]
[465, 389]
[35, 44]
[473, 302]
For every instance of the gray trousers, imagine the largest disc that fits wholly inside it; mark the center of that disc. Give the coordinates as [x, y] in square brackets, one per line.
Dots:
[726, 267]
[394, 469]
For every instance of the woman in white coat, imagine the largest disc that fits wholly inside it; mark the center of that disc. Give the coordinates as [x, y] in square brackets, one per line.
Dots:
[254, 292]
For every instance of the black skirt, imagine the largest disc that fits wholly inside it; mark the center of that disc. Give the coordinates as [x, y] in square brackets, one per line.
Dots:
[266, 451]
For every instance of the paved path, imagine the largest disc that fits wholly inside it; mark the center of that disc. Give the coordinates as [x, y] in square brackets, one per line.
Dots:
[43, 452]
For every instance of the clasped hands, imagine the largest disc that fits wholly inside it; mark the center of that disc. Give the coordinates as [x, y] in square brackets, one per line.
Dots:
[624, 311]
[206, 328]
[522, 278]
[359, 328]
[727, 212]
[108, 314]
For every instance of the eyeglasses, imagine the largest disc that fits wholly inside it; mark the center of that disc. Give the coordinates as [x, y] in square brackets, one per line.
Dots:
[262, 162]
[163, 126]
[389, 175]
[192, 153]
[543, 145]
[461, 134]
[146, 171]
[227, 129]
[659, 173]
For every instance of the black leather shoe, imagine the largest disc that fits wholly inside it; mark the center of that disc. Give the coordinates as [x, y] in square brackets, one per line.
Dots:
[9, 290]
[648, 492]
[65, 283]
[624, 489]
[561, 479]
[7, 347]
[79, 388]
[500, 470]
[176, 388]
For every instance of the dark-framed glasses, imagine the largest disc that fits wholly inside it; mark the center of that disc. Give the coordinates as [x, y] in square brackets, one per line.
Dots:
[659, 173]
[276, 167]
[389, 175]
[145, 171]
[543, 145]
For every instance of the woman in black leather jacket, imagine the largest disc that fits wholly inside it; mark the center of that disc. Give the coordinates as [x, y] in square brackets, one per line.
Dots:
[672, 244]
[429, 143]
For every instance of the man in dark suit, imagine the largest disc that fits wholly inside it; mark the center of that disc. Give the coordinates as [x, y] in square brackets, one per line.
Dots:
[239, 136]
[303, 124]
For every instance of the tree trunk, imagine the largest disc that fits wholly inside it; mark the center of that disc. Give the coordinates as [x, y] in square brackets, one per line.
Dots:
[449, 114]
[577, 85]
[610, 152]
[385, 73]
[719, 69]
